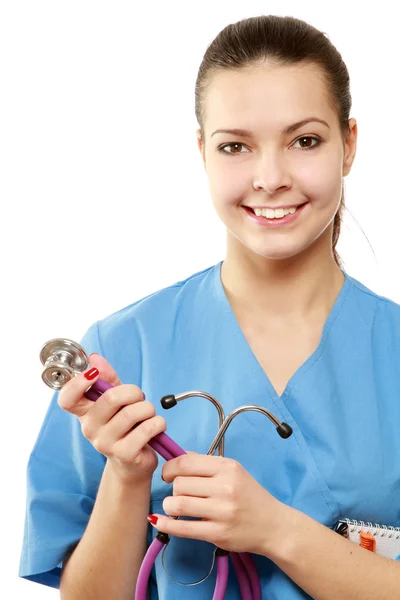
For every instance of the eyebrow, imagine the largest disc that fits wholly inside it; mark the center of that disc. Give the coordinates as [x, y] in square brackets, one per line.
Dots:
[289, 129]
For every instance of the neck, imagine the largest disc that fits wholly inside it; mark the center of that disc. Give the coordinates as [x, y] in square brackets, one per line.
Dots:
[296, 290]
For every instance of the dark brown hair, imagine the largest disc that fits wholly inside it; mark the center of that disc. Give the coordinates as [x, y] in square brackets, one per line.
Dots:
[284, 41]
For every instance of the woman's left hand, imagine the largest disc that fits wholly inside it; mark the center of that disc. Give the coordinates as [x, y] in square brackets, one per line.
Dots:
[237, 513]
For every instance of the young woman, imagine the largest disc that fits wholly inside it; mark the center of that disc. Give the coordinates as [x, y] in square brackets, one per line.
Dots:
[277, 323]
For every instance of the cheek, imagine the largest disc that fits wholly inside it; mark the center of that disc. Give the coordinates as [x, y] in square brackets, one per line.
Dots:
[229, 188]
[321, 183]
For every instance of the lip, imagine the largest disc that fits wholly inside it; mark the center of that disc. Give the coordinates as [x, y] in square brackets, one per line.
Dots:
[275, 222]
[277, 207]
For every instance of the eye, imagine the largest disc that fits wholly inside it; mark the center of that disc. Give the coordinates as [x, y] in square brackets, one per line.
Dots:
[309, 137]
[301, 139]
[222, 148]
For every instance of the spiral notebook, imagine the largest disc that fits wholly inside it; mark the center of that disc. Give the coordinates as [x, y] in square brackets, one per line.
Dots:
[386, 538]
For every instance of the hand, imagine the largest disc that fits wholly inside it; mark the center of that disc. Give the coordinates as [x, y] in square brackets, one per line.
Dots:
[108, 422]
[237, 513]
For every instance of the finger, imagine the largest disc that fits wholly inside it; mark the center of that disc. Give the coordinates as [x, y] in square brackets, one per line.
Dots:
[199, 465]
[113, 401]
[197, 530]
[186, 506]
[71, 398]
[122, 422]
[107, 372]
[201, 487]
[128, 447]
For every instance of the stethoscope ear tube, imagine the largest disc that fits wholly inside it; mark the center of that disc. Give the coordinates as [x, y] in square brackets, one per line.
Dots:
[246, 572]
[284, 430]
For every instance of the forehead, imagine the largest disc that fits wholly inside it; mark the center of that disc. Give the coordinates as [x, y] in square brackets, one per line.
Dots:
[266, 96]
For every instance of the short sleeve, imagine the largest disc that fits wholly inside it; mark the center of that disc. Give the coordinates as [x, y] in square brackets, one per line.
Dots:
[63, 475]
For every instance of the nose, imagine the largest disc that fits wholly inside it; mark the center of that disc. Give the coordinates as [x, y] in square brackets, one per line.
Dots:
[272, 174]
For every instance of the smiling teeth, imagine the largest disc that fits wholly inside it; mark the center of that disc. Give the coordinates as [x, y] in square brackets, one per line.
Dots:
[270, 213]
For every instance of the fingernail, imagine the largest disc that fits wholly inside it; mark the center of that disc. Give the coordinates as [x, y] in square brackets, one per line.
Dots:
[91, 374]
[144, 396]
[94, 353]
[152, 519]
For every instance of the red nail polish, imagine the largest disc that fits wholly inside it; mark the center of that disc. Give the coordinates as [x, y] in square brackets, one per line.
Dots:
[91, 374]
[152, 519]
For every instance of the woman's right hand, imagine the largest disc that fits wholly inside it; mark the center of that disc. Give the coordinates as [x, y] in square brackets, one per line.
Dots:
[107, 423]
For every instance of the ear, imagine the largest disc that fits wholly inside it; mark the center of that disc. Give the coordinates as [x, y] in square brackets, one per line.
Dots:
[201, 146]
[350, 147]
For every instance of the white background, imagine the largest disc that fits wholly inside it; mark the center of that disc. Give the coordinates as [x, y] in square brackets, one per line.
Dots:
[104, 198]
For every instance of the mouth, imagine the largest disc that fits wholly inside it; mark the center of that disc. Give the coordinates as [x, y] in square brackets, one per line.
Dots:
[294, 206]
[275, 221]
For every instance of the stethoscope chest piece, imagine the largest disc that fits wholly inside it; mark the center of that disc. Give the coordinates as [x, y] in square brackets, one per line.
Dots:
[62, 360]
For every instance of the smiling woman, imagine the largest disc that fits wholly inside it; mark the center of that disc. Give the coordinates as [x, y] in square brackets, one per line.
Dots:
[251, 73]
[278, 324]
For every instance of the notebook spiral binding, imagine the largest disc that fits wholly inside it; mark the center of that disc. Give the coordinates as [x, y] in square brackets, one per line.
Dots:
[386, 531]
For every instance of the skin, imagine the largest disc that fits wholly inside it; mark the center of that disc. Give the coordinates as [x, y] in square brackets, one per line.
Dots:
[286, 275]
[286, 278]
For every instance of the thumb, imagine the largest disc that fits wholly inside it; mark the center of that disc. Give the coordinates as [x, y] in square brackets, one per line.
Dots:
[106, 371]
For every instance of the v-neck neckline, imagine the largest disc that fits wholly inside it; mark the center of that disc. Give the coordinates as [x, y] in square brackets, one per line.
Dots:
[221, 294]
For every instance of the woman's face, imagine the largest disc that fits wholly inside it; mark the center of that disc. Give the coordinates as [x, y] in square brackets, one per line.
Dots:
[272, 168]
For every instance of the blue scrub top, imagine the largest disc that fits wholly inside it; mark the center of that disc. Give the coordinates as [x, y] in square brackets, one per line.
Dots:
[343, 403]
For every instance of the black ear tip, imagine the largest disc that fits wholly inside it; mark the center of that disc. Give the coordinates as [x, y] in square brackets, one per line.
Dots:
[168, 401]
[284, 430]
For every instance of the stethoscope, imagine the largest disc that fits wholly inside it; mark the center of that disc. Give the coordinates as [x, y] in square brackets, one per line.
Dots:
[63, 359]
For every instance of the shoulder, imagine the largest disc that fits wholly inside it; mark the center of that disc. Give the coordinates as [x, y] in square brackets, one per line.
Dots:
[381, 311]
[162, 302]
[152, 313]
